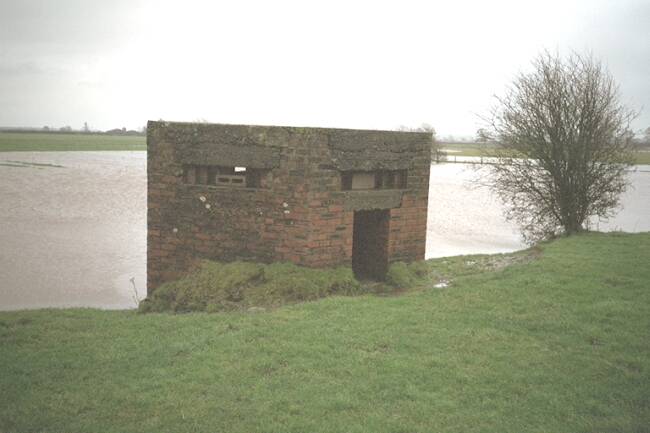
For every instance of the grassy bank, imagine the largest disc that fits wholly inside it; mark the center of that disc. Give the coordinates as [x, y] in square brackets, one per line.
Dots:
[556, 342]
[475, 149]
[39, 142]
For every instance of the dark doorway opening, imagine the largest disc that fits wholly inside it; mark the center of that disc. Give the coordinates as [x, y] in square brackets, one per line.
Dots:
[370, 244]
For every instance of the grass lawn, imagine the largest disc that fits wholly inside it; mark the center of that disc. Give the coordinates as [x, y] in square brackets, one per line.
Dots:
[37, 142]
[475, 149]
[559, 342]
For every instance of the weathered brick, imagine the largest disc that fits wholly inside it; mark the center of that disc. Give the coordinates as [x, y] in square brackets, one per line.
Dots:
[302, 168]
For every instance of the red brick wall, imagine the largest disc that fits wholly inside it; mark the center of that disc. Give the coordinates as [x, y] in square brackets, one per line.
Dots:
[300, 214]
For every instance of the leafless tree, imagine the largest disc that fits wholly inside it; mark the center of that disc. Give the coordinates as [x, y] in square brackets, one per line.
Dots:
[646, 137]
[483, 136]
[563, 144]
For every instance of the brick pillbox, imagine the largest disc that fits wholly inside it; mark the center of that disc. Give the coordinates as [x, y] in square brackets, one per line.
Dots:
[313, 196]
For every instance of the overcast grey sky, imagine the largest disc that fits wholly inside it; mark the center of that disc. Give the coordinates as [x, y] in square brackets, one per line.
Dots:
[374, 64]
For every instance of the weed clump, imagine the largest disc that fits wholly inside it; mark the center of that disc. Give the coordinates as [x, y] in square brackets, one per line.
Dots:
[242, 285]
[238, 286]
[402, 275]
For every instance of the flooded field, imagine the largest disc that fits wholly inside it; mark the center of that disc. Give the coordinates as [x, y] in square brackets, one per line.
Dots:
[72, 229]
[464, 218]
[73, 225]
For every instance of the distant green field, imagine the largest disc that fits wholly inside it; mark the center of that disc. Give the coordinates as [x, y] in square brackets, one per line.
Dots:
[42, 142]
[465, 149]
[476, 149]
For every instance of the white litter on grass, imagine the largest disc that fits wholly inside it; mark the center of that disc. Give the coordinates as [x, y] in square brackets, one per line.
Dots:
[441, 284]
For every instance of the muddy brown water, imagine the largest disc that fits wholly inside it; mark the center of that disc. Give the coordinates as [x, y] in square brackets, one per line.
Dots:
[72, 229]
[73, 225]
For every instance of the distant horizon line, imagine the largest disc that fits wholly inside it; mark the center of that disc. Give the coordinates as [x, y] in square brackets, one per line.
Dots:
[142, 130]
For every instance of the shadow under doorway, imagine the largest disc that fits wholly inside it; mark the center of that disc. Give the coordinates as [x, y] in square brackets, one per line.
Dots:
[370, 244]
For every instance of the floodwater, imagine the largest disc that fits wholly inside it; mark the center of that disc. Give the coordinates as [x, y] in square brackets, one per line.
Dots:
[73, 225]
[72, 229]
[466, 218]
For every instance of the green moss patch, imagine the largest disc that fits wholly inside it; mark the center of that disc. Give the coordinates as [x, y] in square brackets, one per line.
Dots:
[238, 286]
[244, 285]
